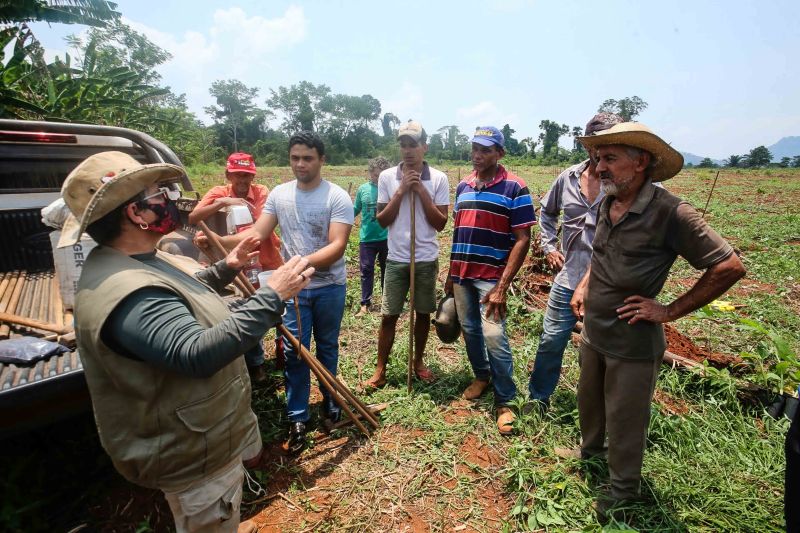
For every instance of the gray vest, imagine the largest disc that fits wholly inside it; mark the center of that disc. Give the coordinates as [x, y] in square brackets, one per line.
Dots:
[162, 430]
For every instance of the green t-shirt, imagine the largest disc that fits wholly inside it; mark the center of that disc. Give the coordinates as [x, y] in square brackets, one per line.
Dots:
[367, 203]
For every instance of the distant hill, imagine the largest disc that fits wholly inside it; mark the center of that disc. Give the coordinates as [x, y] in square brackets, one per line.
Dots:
[786, 147]
[695, 159]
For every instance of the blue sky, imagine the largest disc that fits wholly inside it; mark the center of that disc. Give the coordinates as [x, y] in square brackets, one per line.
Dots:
[716, 74]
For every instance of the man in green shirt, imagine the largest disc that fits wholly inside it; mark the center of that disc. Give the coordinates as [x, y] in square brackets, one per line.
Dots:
[372, 236]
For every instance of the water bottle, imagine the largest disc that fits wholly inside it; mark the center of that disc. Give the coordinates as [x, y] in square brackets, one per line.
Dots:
[252, 270]
[240, 218]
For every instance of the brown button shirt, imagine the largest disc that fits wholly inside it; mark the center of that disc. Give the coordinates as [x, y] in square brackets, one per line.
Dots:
[633, 257]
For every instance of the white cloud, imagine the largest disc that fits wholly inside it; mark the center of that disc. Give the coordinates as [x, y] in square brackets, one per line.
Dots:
[235, 45]
[406, 102]
[251, 38]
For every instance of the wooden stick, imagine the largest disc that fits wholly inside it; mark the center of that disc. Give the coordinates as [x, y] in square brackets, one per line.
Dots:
[12, 318]
[373, 408]
[411, 269]
[11, 304]
[325, 377]
[709, 195]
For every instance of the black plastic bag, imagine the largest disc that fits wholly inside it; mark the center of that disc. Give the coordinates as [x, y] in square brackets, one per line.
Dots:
[28, 350]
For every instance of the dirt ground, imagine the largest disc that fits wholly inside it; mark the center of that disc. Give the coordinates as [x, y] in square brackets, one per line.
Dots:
[348, 483]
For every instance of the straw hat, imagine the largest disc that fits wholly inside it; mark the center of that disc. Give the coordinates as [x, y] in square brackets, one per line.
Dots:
[104, 181]
[668, 161]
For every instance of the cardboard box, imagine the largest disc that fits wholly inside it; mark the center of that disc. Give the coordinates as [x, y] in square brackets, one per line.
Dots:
[69, 263]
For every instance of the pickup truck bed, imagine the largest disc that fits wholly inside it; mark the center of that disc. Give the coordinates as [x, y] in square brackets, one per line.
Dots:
[35, 157]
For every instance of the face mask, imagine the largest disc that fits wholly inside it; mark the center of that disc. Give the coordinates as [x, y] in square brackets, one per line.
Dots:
[168, 218]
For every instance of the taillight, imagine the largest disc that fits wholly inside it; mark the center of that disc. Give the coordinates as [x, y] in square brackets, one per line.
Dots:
[37, 137]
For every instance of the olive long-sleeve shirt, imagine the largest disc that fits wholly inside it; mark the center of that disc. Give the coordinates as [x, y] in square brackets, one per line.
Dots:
[156, 326]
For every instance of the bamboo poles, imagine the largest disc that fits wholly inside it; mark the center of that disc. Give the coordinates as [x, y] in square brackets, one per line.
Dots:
[340, 393]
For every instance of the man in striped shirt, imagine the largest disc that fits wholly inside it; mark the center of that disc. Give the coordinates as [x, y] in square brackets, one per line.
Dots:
[493, 217]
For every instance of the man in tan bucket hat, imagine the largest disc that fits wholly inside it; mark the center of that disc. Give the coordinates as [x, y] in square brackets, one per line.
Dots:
[160, 349]
[641, 229]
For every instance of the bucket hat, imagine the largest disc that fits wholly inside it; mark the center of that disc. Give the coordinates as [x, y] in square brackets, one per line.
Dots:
[104, 181]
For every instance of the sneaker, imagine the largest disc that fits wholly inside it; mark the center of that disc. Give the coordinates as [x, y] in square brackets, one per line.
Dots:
[475, 389]
[297, 438]
[505, 420]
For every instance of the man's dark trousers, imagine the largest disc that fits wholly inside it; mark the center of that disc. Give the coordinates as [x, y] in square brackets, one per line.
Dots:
[367, 253]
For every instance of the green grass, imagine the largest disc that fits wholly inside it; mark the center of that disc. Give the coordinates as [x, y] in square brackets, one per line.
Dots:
[717, 465]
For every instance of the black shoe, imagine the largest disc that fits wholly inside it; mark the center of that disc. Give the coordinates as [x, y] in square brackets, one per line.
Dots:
[538, 407]
[608, 509]
[297, 438]
[331, 415]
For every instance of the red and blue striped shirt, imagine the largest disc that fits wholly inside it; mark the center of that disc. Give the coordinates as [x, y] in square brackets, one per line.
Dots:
[485, 217]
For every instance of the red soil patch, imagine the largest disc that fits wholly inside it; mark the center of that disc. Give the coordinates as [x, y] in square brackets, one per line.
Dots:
[680, 344]
[478, 453]
[793, 298]
[748, 287]
[669, 405]
[457, 411]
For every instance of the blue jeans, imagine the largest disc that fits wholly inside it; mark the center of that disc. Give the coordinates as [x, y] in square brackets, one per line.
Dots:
[321, 312]
[486, 340]
[558, 323]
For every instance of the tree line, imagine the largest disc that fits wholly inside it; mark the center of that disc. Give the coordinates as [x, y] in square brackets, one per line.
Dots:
[109, 77]
[758, 157]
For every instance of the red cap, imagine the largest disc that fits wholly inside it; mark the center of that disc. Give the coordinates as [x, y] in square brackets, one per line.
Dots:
[241, 162]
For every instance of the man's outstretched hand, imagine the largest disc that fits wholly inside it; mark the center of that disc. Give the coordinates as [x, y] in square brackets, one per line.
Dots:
[290, 278]
[241, 255]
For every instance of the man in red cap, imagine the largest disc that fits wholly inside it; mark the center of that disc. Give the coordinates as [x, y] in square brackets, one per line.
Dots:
[240, 190]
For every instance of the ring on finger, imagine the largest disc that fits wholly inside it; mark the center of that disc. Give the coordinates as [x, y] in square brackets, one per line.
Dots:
[303, 276]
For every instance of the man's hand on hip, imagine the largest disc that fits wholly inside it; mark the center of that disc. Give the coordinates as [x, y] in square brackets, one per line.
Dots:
[638, 308]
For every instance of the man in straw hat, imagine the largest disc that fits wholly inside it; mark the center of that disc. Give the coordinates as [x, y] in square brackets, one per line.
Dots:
[641, 229]
[160, 349]
[576, 192]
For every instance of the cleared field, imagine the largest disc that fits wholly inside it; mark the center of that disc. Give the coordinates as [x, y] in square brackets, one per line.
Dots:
[714, 460]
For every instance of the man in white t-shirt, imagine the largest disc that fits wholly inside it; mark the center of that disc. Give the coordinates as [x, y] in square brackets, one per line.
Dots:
[315, 217]
[431, 191]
